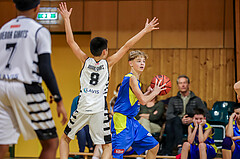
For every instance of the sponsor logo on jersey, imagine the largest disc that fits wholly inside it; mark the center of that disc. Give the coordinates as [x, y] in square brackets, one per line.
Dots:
[87, 90]
[119, 151]
[9, 76]
[96, 68]
[15, 26]
[149, 134]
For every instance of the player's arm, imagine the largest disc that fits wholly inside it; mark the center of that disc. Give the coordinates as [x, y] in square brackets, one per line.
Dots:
[149, 26]
[45, 70]
[192, 133]
[229, 127]
[237, 90]
[202, 137]
[234, 138]
[69, 35]
[43, 39]
[138, 93]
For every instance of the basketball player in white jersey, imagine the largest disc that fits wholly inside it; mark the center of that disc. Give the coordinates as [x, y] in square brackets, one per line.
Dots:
[94, 80]
[24, 62]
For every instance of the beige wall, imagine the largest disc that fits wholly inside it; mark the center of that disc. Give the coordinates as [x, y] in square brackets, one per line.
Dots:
[183, 23]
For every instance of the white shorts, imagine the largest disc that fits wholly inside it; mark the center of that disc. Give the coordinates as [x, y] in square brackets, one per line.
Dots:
[98, 126]
[24, 109]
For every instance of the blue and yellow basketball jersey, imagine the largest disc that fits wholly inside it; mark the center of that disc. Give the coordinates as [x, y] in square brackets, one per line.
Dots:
[236, 131]
[209, 140]
[127, 102]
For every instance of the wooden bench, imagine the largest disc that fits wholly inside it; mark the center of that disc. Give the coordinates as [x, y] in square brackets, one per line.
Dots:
[86, 154]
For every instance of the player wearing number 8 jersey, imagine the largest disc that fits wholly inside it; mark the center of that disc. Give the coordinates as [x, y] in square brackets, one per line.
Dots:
[92, 106]
[24, 62]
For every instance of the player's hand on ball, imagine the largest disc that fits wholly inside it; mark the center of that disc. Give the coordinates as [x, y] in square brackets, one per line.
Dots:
[158, 88]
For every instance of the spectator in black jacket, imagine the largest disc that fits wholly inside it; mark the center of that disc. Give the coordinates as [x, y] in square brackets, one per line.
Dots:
[179, 114]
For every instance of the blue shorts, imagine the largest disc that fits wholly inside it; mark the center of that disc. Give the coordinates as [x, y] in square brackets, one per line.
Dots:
[194, 152]
[128, 132]
[236, 152]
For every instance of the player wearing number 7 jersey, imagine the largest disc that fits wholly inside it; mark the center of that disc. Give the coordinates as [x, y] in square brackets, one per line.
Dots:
[94, 79]
[24, 62]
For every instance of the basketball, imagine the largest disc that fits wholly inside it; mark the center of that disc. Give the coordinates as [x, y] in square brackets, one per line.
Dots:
[164, 79]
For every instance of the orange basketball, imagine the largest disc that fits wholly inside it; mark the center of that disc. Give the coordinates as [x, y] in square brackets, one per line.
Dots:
[164, 79]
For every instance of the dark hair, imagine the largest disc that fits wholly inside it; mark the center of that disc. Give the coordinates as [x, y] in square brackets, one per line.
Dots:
[24, 5]
[199, 111]
[183, 76]
[236, 106]
[97, 45]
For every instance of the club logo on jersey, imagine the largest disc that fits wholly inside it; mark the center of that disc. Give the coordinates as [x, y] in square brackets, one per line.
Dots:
[119, 151]
[87, 90]
[96, 68]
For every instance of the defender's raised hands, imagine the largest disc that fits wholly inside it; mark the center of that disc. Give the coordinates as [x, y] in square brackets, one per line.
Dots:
[64, 11]
[150, 26]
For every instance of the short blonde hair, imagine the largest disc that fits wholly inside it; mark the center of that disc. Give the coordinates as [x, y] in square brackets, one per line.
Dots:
[134, 54]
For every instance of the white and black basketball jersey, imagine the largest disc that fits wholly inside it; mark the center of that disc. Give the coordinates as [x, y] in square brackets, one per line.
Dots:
[94, 81]
[21, 41]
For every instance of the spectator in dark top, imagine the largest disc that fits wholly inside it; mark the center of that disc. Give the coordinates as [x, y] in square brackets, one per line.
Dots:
[150, 115]
[179, 114]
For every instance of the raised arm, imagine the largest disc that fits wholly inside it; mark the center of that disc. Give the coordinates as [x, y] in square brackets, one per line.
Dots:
[144, 99]
[149, 26]
[69, 35]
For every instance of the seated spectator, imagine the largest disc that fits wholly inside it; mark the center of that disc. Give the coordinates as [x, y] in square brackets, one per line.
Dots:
[231, 143]
[200, 143]
[150, 115]
[179, 114]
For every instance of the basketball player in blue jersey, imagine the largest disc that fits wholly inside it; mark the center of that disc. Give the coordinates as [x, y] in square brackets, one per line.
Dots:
[126, 130]
[200, 142]
[231, 143]
[24, 63]
[94, 80]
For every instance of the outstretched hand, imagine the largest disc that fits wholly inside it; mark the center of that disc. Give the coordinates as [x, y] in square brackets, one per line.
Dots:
[63, 10]
[150, 26]
[159, 88]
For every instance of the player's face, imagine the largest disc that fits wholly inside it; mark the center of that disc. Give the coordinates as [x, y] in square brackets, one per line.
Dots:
[138, 64]
[237, 111]
[183, 85]
[199, 118]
